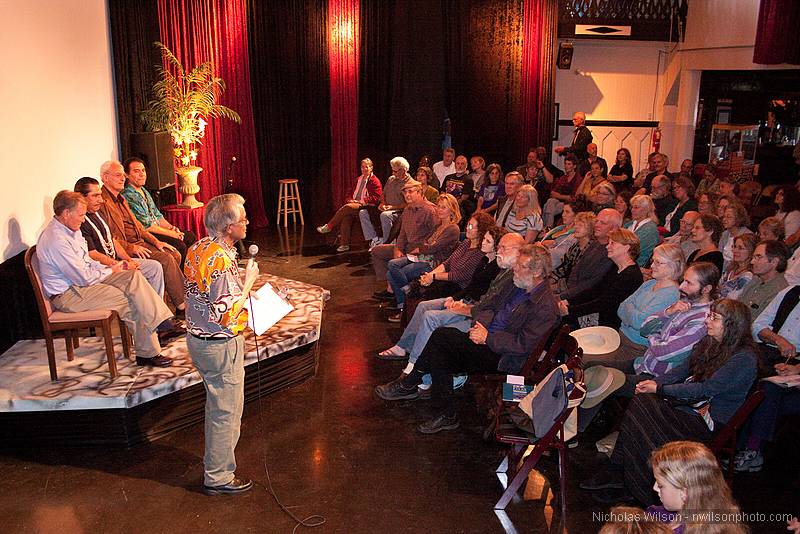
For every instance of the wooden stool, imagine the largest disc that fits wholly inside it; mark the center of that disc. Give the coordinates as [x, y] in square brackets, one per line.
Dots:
[289, 201]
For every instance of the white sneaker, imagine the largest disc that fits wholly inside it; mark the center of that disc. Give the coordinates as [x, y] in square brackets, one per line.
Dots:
[375, 242]
[342, 248]
[748, 461]
[324, 229]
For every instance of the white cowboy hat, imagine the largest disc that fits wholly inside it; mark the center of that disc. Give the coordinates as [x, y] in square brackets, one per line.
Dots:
[596, 340]
[600, 383]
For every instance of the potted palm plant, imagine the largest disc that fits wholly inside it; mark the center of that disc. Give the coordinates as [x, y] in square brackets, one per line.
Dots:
[183, 101]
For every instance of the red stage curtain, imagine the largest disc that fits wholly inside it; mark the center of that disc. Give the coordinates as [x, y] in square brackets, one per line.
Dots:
[538, 42]
[777, 38]
[343, 58]
[216, 30]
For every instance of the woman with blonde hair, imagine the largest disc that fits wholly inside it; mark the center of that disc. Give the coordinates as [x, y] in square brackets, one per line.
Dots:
[584, 239]
[436, 249]
[734, 222]
[737, 274]
[644, 223]
[602, 196]
[688, 481]
[526, 214]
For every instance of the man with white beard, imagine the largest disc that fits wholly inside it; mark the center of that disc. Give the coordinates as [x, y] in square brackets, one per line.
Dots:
[506, 326]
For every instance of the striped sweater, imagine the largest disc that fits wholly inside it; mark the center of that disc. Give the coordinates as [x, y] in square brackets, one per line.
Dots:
[670, 339]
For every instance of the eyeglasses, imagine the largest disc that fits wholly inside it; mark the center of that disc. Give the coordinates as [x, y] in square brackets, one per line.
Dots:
[243, 221]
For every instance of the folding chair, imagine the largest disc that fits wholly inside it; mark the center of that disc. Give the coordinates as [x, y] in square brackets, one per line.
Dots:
[724, 444]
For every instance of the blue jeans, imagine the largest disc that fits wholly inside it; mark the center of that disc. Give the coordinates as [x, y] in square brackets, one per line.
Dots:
[401, 272]
[429, 315]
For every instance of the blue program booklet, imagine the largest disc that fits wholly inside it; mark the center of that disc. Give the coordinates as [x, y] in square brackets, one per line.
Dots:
[515, 392]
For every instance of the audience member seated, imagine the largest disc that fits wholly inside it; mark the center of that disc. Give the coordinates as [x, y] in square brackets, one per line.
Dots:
[738, 274]
[683, 192]
[777, 328]
[456, 311]
[492, 190]
[688, 479]
[709, 183]
[564, 190]
[701, 394]
[602, 196]
[653, 296]
[684, 236]
[460, 185]
[787, 199]
[707, 204]
[767, 265]
[561, 238]
[530, 157]
[591, 150]
[456, 272]
[506, 329]
[477, 171]
[770, 229]
[591, 179]
[660, 164]
[419, 220]
[617, 285]
[424, 176]
[525, 217]
[723, 201]
[621, 174]
[133, 237]
[436, 248]
[779, 401]
[622, 203]
[146, 212]
[638, 179]
[513, 182]
[687, 168]
[391, 206]
[76, 283]
[734, 222]
[728, 187]
[589, 263]
[644, 224]
[101, 244]
[662, 198]
[441, 169]
[367, 192]
[793, 268]
[705, 234]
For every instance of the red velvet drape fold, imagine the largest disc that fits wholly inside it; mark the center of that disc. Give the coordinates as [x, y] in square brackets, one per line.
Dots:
[216, 30]
[777, 38]
[538, 42]
[343, 58]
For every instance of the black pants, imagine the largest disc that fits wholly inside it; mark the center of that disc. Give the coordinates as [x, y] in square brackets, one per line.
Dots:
[182, 245]
[450, 351]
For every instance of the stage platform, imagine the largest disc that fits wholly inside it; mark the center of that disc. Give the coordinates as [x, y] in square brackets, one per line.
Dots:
[85, 406]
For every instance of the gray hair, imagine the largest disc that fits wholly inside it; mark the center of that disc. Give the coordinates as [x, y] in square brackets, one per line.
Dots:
[399, 161]
[105, 167]
[540, 261]
[221, 212]
[674, 259]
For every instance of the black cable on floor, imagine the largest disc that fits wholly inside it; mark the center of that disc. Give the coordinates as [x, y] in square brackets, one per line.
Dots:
[311, 521]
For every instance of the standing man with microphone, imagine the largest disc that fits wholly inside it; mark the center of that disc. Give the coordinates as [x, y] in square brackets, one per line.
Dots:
[215, 317]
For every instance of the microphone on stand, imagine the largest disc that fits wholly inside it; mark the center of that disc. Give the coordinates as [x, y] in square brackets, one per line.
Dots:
[229, 177]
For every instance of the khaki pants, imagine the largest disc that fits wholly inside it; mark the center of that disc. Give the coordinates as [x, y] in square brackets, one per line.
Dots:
[220, 363]
[173, 278]
[132, 297]
[381, 255]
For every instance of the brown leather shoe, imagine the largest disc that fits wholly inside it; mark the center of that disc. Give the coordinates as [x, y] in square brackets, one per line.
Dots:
[155, 361]
[234, 487]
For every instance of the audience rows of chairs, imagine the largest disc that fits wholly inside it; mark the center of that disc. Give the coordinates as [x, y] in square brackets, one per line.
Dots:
[689, 282]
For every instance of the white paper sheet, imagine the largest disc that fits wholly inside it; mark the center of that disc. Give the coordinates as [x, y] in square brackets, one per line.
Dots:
[266, 310]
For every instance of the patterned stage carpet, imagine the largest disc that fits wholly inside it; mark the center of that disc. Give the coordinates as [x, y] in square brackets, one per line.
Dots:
[85, 383]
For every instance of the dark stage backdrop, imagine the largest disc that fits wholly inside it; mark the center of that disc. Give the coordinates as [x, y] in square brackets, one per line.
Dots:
[290, 87]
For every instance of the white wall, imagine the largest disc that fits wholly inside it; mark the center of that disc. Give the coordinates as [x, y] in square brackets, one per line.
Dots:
[612, 80]
[57, 117]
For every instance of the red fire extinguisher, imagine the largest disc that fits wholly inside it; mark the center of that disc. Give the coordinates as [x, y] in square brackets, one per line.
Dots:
[656, 139]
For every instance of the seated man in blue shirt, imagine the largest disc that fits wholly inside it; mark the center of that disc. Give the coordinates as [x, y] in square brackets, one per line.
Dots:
[144, 209]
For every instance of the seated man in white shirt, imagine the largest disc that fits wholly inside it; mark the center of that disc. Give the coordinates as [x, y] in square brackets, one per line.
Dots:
[443, 168]
[778, 327]
[76, 283]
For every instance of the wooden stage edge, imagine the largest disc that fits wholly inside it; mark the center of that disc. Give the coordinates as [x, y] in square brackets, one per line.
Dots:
[151, 420]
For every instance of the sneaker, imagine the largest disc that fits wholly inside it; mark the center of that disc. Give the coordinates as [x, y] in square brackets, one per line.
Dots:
[459, 381]
[748, 461]
[324, 229]
[439, 423]
[397, 317]
[395, 390]
[375, 242]
[343, 248]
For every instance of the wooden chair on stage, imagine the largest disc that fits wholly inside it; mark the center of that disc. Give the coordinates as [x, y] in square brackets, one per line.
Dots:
[68, 323]
[519, 440]
[724, 444]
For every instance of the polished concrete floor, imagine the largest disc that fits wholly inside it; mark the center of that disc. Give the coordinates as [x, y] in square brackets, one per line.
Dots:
[331, 448]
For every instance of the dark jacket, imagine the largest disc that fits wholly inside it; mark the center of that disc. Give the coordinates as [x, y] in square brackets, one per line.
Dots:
[588, 272]
[614, 288]
[530, 322]
[578, 147]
